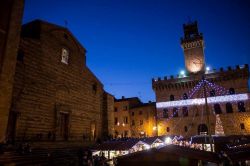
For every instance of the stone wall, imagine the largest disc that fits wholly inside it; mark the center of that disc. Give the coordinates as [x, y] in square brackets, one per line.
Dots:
[53, 100]
[11, 12]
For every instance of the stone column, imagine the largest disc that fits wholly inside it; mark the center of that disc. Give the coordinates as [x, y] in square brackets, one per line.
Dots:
[11, 12]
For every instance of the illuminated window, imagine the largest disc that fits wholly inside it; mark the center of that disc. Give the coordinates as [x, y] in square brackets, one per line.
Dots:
[242, 126]
[65, 56]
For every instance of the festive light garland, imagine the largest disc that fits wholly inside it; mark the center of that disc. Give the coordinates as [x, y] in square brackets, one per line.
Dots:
[201, 101]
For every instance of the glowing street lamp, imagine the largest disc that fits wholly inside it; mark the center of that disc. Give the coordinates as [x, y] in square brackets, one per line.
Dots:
[182, 73]
[154, 128]
[168, 140]
[207, 68]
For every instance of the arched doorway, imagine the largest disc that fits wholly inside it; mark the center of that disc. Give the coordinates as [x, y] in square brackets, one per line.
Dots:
[202, 129]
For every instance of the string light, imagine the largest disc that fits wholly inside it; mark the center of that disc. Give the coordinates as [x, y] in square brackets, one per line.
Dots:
[201, 101]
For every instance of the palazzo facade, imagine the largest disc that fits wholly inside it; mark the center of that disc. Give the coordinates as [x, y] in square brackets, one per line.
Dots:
[180, 100]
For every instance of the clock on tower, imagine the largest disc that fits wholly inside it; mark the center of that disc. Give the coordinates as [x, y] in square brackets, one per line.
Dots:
[193, 47]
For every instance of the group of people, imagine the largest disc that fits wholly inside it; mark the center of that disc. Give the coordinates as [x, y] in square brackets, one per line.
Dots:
[86, 159]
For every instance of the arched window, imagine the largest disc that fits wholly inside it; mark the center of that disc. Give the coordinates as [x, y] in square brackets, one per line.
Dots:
[168, 129]
[185, 96]
[165, 113]
[212, 93]
[65, 56]
[175, 112]
[229, 108]
[185, 111]
[171, 97]
[217, 108]
[241, 106]
[231, 91]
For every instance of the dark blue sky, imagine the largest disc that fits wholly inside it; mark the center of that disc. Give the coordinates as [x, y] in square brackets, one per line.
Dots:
[131, 41]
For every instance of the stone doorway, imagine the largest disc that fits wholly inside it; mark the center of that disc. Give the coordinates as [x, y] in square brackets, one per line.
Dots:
[11, 134]
[64, 125]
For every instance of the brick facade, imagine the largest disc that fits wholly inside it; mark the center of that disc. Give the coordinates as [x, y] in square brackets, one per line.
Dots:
[52, 99]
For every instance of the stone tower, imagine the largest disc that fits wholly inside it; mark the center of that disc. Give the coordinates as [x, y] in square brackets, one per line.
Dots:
[193, 47]
[11, 12]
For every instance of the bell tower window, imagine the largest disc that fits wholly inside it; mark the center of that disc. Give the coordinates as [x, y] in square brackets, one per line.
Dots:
[65, 56]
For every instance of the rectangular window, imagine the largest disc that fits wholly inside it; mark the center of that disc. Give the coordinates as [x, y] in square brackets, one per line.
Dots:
[125, 133]
[125, 119]
[116, 121]
[185, 129]
[242, 126]
[133, 122]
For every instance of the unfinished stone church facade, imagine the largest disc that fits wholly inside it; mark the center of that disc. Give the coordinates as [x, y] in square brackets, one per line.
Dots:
[181, 108]
[56, 97]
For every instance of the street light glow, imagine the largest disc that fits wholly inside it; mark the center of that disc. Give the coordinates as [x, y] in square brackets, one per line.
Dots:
[182, 72]
[168, 140]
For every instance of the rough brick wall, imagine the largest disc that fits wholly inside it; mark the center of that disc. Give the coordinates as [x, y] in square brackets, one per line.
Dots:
[45, 88]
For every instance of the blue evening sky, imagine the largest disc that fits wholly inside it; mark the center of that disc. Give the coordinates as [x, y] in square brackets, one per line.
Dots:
[131, 41]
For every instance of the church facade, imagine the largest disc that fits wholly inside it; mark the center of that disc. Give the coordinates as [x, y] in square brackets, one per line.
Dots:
[56, 97]
[181, 100]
